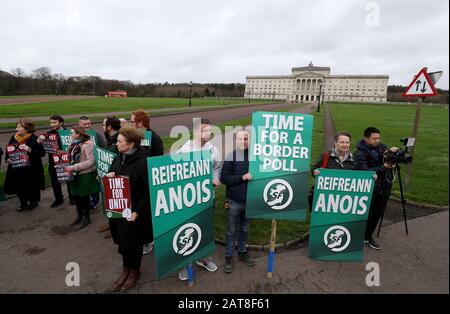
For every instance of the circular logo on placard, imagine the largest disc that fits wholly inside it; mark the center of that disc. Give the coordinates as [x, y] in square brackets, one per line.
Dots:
[109, 214]
[278, 194]
[337, 238]
[187, 239]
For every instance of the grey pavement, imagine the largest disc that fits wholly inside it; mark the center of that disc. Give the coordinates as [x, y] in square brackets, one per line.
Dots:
[36, 246]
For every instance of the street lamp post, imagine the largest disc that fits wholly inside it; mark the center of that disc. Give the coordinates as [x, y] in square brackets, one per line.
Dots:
[320, 97]
[190, 93]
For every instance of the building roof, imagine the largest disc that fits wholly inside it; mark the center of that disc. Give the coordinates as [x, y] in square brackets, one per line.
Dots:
[311, 68]
[359, 76]
[269, 77]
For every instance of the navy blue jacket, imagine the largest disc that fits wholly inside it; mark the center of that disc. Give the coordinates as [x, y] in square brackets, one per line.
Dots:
[233, 169]
[370, 158]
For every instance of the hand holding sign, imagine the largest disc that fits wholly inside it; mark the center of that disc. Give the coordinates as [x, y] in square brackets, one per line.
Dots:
[127, 214]
[25, 147]
[18, 156]
[117, 197]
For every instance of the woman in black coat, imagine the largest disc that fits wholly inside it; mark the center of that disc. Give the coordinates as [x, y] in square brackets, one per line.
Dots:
[132, 233]
[26, 181]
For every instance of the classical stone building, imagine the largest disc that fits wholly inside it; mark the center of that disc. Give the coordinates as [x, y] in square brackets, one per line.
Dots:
[306, 83]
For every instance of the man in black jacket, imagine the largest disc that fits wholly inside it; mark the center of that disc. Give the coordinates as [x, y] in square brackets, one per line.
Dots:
[235, 176]
[369, 155]
[111, 126]
[141, 120]
[56, 124]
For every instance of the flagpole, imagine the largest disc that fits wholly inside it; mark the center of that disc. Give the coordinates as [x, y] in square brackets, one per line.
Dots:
[272, 249]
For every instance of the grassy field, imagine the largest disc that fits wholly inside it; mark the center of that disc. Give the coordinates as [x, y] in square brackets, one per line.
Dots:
[102, 104]
[429, 181]
[99, 117]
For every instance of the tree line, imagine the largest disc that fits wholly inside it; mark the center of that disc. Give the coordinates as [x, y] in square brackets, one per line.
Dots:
[42, 81]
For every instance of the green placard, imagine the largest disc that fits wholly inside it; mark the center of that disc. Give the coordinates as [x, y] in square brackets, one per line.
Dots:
[66, 138]
[339, 214]
[147, 140]
[103, 161]
[93, 135]
[279, 163]
[182, 200]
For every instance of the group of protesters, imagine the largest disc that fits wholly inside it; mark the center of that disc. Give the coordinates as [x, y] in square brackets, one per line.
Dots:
[134, 235]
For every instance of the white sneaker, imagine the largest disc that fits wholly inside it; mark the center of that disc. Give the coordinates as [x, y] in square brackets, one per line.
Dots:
[183, 274]
[147, 248]
[207, 264]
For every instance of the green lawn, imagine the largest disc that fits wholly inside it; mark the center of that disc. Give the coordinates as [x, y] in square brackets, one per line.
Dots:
[103, 104]
[429, 182]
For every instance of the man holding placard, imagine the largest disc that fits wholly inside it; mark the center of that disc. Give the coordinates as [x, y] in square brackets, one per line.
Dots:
[56, 124]
[235, 176]
[279, 164]
[182, 202]
[151, 143]
[202, 142]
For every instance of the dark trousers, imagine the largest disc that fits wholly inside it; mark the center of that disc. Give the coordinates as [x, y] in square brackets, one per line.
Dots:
[133, 259]
[95, 198]
[30, 194]
[380, 199]
[56, 185]
[82, 205]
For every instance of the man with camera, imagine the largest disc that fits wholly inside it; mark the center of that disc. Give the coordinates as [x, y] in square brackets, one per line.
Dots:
[370, 157]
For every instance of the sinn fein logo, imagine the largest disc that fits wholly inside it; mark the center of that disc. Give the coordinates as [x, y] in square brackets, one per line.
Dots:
[187, 239]
[337, 238]
[278, 194]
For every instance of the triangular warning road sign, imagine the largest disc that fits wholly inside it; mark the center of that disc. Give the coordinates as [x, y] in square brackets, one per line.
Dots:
[421, 86]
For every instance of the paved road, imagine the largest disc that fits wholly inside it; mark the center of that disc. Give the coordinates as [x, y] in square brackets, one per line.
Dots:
[36, 246]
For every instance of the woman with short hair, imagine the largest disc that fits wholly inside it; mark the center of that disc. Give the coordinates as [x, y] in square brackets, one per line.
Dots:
[26, 181]
[130, 234]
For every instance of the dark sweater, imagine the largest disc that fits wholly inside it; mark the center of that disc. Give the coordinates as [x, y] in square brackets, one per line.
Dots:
[234, 167]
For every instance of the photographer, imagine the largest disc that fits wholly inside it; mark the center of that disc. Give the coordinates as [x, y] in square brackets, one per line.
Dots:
[369, 156]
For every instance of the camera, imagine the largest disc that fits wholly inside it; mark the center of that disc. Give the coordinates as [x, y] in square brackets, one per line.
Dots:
[403, 155]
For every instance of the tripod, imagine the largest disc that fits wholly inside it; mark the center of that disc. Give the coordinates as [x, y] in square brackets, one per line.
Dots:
[402, 197]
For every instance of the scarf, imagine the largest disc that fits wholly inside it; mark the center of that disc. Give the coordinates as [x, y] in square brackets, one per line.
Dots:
[22, 139]
[75, 151]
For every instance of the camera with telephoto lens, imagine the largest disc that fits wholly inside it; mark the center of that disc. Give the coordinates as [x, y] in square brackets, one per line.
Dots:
[402, 155]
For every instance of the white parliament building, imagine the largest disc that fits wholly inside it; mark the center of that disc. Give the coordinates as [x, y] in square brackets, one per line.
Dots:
[307, 83]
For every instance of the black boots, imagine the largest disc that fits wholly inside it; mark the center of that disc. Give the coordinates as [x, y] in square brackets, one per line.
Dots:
[56, 203]
[82, 217]
[76, 221]
[85, 222]
[244, 257]
[228, 266]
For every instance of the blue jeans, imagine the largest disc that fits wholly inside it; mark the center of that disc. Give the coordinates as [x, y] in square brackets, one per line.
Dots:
[238, 225]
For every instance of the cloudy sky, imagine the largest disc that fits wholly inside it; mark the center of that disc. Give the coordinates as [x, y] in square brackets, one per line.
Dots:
[223, 41]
